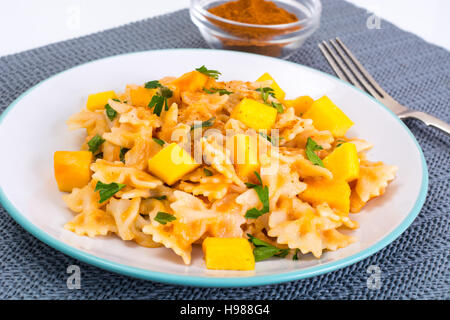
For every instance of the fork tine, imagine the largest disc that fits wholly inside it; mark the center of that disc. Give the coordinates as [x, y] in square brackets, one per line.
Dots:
[364, 72]
[360, 78]
[332, 63]
[343, 72]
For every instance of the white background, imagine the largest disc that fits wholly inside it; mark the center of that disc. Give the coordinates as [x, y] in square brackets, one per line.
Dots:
[26, 24]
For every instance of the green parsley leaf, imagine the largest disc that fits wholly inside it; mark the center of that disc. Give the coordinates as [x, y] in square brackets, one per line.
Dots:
[164, 217]
[210, 73]
[122, 154]
[159, 141]
[110, 112]
[265, 136]
[263, 195]
[250, 185]
[340, 142]
[207, 172]
[264, 250]
[265, 93]
[159, 197]
[152, 84]
[108, 190]
[99, 155]
[312, 146]
[295, 256]
[158, 103]
[215, 90]
[165, 92]
[204, 124]
[117, 100]
[95, 143]
[278, 106]
[159, 100]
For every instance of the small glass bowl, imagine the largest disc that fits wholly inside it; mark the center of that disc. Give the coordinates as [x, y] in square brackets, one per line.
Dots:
[279, 40]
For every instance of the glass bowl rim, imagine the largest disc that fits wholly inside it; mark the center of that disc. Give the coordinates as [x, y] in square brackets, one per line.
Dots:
[317, 9]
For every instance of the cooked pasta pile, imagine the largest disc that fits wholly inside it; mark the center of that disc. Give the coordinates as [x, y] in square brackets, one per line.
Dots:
[291, 192]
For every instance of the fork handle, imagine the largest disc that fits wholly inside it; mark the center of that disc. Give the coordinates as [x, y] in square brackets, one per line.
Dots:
[427, 119]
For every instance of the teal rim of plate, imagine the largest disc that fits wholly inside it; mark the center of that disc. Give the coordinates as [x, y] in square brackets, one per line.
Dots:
[206, 281]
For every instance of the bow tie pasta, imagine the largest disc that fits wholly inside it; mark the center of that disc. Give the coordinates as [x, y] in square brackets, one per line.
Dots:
[176, 161]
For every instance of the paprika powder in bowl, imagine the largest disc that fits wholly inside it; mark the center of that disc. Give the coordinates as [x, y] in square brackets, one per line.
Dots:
[273, 28]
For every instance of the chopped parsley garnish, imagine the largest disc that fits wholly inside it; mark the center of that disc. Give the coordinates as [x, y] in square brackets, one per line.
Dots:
[278, 106]
[159, 141]
[122, 154]
[264, 250]
[204, 124]
[117, 100]
[265, 136]
[340, 142]
[110, 112]
[210, 73]
[159, 197]
[152, 84]
[295, 256]
[108, 190]
[265, 93]
[164, 217]
[217, 90]
[207, 172]
[311, 147]
[95, 143]
[263, 195]
[99, 155]
[159, 100]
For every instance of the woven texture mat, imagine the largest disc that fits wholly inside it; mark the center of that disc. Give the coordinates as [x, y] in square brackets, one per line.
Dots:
[413, 71]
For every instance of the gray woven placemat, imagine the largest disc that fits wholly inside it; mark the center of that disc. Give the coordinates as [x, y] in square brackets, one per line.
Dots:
[413, 71]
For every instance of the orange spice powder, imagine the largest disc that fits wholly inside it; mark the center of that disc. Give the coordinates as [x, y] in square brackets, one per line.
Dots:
[258, 12]
[254, 12]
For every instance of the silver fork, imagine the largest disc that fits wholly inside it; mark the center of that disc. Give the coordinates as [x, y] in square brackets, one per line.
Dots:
[349, 69]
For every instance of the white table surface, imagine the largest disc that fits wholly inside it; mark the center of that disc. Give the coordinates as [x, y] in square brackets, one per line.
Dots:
[27, 24]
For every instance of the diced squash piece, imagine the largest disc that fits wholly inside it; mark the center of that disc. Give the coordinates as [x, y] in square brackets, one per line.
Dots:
[228, 254]
[279, 93]
[191, 81]
[98, 101]
[343, 162]
[300, 104]
[245, 155]
[72, 169]
[255, 114]
[141, 97]
[327, 116]
[334, 192]
[171, 163]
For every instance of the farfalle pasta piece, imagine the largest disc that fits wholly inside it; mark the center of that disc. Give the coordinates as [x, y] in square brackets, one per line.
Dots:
[125, 213]
[93, 122]
[289, 125]
[198, 106]
[373, 179]
[193, 221]
[111, 152]
[282, 182]
[170, 122]
[91, 221]
[141, 117]
[302, 228]
[142, 150]
[108, 172]
[219, 158]
[140, 237]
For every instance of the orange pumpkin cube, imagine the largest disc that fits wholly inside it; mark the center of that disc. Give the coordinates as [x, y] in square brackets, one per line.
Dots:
[334, 192]
[72, 169]
[191, 81]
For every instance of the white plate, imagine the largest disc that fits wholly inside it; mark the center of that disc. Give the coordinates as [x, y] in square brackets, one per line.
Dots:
[34, 127]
